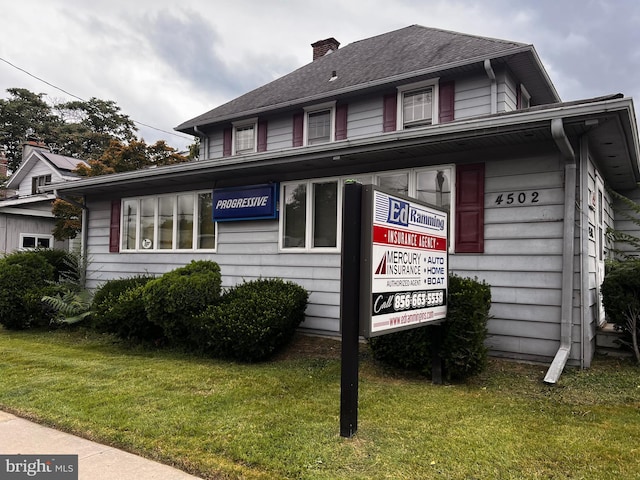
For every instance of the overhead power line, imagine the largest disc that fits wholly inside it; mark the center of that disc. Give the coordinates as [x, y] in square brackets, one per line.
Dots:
[83, 100]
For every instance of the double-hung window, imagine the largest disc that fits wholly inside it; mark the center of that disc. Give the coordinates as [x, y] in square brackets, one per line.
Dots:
[245, 136]
[418, 105]
[310, 215]
[40, 181]
[181, 221]
[319, 122]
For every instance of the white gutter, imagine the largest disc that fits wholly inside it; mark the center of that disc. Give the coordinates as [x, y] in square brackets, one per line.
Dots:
[84, 231]
[584, 252]
[205, 142]
[566, 312]
[461, 128]
[494, 85]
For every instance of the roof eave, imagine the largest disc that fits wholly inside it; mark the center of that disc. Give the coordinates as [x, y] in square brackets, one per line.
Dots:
[496, 124]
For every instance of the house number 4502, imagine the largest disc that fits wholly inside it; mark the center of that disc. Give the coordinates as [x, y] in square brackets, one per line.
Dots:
[517, 198]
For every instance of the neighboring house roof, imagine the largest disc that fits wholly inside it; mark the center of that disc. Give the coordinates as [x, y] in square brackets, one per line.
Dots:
[60, 164]
[611, 125]
[387, 59]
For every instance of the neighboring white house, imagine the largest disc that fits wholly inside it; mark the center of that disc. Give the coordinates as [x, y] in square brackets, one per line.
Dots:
[26, 221]
[469, 123]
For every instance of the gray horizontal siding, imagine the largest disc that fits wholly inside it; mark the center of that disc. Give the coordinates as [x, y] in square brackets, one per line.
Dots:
[472, 97]
[364, 118]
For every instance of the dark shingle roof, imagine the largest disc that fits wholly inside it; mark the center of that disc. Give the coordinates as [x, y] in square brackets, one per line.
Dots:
[391, 55]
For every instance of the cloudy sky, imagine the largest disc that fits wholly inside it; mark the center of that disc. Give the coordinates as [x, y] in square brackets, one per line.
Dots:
[164, 62]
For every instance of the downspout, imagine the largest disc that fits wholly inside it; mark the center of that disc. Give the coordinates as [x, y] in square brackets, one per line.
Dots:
[205, 141]
[584, 251]
[566, 320]
[84, 231]
[494, 85]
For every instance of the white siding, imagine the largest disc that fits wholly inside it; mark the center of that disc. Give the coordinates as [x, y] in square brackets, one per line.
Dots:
[507, 97]
[39, 169]
[522, 260]
[364, 118]
[245, 251]
[280, 133]
[472, 97]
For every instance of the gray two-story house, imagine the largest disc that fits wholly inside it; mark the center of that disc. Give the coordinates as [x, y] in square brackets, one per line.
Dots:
[468, 123]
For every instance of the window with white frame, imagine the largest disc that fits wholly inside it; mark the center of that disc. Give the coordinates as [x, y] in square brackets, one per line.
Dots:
[310, 212]
[180, 221]
[31, 241]
[319, 123]
[418, 105]
[40, 181]
[245, 136]
[525, 97]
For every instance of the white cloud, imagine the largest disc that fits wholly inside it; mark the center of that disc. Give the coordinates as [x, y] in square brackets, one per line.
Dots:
[164, 62]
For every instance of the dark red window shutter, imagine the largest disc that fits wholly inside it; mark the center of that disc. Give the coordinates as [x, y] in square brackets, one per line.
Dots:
[298, 127]
[389, 112]
[341, 122]
[226, 142]
[446, 102]
[518, 97]
[470, 208]
[114, 227]
[262, 135]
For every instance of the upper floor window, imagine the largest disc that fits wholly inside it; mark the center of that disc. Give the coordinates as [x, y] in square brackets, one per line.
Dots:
[169, 222]
[39, 181]
[418, 105]
[319, 123]
[524, 99]
[245, 137]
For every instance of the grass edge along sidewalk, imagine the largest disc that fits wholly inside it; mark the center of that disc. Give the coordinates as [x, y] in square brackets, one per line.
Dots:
[280, 419]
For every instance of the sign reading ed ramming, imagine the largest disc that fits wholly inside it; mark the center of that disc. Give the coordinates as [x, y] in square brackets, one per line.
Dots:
[408, 263]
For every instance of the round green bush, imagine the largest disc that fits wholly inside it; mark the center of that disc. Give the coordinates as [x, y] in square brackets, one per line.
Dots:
[25, 277]
[172, 300]
[463, 334]
[253, 320]
[119, 309]
[621, 291]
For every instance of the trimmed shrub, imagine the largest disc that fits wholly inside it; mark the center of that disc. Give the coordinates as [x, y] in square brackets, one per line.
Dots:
[253, 321]
[172, 300]
[25, 277]
[621, 291]
[463, 334]
[118, 308]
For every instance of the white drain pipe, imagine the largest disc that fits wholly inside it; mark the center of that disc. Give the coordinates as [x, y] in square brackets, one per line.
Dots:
[566, 319]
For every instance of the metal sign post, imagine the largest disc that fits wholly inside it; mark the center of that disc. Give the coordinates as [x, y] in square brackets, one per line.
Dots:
[350, 308]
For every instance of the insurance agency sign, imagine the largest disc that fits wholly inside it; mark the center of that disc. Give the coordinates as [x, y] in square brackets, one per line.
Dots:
[406, 269]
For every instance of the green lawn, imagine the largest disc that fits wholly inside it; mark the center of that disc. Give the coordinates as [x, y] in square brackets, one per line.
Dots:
[281, 419]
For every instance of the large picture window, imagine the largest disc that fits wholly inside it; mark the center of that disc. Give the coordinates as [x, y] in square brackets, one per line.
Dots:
[310, 215]
[311, 210]
[169, 222]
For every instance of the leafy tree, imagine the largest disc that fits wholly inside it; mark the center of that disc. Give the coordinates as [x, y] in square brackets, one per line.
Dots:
[134, 155]
[25, 113]
[629, 242]
[118, 157]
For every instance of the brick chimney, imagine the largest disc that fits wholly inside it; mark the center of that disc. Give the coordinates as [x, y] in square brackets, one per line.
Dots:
[322, 47]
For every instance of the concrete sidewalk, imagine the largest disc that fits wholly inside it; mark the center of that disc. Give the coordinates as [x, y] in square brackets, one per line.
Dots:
[95, 461]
